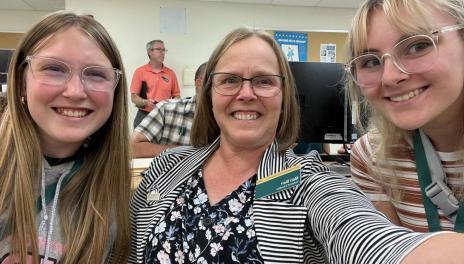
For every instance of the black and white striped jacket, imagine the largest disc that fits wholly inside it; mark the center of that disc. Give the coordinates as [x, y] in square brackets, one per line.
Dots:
[323, 220]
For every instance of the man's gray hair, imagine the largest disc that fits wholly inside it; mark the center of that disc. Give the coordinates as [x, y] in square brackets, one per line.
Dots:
[150, 44]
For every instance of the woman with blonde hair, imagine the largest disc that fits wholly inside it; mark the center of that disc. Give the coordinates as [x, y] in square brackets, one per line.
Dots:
[407, 69]
[240, 195]
[64, 163]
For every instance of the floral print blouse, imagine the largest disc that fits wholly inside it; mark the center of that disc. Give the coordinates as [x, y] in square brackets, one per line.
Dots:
[193, 231]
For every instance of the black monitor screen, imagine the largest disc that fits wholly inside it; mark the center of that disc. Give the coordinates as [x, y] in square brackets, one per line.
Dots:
[324, 111]
[5, 56]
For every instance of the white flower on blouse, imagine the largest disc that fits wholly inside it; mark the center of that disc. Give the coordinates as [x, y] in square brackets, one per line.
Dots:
[202, 260]
[240, 229]
[215, 248]
[179, 257]
[186, 245]
[208, 234]
[196, 210]
[201, 226]
[200, 199]
[191, 257]
[219, 228]
[180, 200]
[163, 257]
[194, 183]
[154, 241]
[248, 222]
[235, 206]
[167, 246]
[160, 228]
[175, 215]
[226, 235]
[250, 233]
[242, 197]
[197, 251]
[228, 220]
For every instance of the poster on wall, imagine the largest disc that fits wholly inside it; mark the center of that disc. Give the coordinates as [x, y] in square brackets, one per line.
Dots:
[328, 53]
[293, 44]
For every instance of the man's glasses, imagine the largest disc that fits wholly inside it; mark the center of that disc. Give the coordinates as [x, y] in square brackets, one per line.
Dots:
[160, 49]
[57, 73]
[230, 84]
[415, 54]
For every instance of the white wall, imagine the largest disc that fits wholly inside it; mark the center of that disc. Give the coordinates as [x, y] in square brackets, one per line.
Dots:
[17, 20]
[132, 23]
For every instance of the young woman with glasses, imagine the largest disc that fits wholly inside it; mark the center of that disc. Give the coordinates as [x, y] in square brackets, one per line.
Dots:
[407, 72]
[64, 163]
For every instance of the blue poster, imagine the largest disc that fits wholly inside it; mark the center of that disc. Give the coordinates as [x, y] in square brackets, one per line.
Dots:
[293, 44]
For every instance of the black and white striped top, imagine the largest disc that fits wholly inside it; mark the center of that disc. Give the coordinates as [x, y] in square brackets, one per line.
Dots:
[325, 219]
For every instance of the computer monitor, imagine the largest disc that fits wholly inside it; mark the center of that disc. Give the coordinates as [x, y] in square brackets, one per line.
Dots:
[325, 113]
[5, 57]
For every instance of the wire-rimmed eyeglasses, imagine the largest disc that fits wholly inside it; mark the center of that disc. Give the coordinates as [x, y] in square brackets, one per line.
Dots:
[412, 55]
[230, 84]
[57, 73]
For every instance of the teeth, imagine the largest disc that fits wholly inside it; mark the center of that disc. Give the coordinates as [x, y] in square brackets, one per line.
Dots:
[245, 116]
[406, 96]
[72, 113]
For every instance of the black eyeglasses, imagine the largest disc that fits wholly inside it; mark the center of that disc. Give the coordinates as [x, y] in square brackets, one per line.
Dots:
[230, 84]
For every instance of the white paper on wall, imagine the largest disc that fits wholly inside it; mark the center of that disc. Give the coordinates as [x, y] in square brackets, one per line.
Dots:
[328, 53]
[172, 20]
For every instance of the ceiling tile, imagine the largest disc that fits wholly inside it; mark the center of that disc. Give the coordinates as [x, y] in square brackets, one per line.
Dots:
[14, 5]
[340, 3]
[250, 1]
[32, 5]
[296, 2]
[46, 5]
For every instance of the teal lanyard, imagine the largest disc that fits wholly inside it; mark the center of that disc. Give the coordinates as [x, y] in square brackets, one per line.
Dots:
[50, 190]
[431, 211]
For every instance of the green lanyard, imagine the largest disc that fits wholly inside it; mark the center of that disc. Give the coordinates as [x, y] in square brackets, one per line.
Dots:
[50, 190]
[431, 211]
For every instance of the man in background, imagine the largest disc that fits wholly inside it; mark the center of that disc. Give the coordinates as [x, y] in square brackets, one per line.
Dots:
[168, 124]
[153, 82]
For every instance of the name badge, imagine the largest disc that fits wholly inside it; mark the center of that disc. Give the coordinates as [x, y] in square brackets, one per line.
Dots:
[282, 180]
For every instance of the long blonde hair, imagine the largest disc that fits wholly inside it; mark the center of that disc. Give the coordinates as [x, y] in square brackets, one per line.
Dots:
[385, 132]
[205, 128]
[98, 192]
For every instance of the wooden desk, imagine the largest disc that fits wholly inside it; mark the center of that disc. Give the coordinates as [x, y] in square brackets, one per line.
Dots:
[137, 167]
[343, 170]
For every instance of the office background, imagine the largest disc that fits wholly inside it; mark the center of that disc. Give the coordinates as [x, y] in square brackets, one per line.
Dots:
[132, 23]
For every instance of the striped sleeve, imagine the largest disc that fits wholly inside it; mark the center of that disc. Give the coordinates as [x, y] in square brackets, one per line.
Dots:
[346, 224]
[361, 154]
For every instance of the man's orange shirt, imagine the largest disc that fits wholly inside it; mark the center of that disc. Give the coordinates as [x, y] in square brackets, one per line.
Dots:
[161, 85]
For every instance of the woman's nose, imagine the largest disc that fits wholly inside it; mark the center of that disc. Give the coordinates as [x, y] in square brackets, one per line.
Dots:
[392, 73]
[246, 92]
[75, 88]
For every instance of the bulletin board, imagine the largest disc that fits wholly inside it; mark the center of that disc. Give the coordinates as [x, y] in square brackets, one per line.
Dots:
[315, 39]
